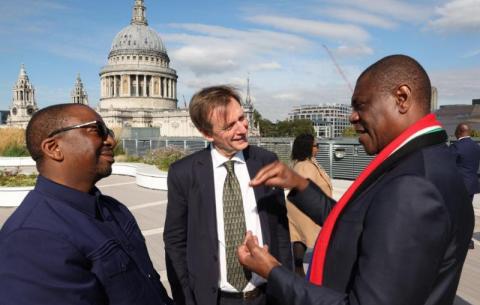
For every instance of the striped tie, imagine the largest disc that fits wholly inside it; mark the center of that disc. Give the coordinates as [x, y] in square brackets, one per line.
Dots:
[234, 221]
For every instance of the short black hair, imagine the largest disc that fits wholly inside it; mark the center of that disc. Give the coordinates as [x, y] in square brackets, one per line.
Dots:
[392, 71]
[302, 147]
[42, 123]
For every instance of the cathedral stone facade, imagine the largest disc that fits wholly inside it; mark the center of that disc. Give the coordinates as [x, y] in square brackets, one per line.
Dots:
[23, 101]
[138, 87]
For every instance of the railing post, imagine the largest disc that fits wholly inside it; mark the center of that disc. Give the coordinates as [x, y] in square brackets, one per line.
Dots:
[330, 156]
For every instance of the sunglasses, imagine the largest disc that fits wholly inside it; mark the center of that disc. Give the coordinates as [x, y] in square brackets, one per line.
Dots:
[102, 129]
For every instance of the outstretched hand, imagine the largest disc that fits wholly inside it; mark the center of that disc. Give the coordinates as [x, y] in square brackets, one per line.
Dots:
[256, 258]
[280, 175]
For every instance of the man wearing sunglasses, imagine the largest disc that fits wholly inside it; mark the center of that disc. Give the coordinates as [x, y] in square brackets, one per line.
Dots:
[67, 243]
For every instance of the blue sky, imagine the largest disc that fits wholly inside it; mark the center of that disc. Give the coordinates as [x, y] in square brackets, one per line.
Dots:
[279, 43]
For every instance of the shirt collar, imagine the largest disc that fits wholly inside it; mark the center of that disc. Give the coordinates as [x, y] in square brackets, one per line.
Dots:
[84, 202]
[218, 159]
[461, 138]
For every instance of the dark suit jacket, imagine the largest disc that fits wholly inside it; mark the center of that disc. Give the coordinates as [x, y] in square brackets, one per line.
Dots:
[402, 240]
[467, 154]
[190, 235]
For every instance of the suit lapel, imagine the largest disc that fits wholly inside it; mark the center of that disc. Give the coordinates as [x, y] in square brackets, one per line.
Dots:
[204, 175]
[253, 167]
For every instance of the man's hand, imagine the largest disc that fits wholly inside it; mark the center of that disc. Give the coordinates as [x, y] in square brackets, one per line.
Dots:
[256, 258]
[280, 175]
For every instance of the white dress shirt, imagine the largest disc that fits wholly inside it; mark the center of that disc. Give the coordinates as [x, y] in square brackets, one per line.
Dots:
[252, 220]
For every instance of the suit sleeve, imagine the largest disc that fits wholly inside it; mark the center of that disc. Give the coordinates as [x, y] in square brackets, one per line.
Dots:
[313, 202]
[37, 267]
[283, 233]
[175, 239]
[406, 232]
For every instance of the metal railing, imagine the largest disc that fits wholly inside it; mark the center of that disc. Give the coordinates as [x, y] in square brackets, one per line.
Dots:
[341, 158]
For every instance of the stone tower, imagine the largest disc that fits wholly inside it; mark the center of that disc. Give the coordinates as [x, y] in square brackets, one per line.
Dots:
[23, 101]
[79, 94]
[249, 110]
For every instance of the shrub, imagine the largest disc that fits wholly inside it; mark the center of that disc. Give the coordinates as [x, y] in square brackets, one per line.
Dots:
[15, 150]
[12, 142]
[11, 178]
[163, 158]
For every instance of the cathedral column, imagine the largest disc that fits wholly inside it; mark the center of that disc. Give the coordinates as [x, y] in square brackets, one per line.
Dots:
[168, 88]
[145, 85]
[114, 85]
[164, 87]
[137, 84]
[174, 89]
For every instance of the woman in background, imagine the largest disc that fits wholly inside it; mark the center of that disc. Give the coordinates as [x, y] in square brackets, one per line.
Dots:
[303, 231]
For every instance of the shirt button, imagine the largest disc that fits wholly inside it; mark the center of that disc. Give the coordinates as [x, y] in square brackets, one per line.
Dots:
[149, 275]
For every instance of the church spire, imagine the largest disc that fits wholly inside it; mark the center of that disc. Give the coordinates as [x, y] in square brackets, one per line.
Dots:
[138, 15]
[248, 99]
[79, 94]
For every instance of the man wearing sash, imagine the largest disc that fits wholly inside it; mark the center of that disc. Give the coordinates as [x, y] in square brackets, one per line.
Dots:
[400, 233]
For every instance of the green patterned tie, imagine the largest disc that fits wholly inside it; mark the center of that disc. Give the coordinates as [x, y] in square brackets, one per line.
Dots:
[235, 228]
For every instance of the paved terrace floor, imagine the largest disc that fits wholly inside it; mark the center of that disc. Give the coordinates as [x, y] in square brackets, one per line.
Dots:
[149, 208]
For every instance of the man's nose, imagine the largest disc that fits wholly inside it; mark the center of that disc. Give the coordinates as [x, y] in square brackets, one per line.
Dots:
[353, 117]
[110, 141]
[243, 126]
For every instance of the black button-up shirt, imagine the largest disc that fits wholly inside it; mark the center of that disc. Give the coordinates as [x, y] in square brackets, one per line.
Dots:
[63, 246]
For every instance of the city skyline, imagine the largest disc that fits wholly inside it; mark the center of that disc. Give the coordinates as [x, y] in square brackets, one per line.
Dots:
[278, 44]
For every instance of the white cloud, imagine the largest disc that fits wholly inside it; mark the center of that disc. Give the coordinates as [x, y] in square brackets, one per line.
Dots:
[458, 86]
[399, 10]
[273, 65]
[216, 50]
[359, 17]
[457, 15]
[472, 53]
[348, 51]
[344, 32]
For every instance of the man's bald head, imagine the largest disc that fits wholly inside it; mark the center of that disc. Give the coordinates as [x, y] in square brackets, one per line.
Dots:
[391, 72]
[462, 130]
[42, 123]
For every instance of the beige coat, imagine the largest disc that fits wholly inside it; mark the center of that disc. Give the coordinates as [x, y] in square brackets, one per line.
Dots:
[302, 228]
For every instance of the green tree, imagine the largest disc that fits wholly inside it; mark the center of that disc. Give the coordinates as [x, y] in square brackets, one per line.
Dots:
[349, 132]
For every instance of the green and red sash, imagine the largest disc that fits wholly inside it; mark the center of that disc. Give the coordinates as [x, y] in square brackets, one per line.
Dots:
[426, 131]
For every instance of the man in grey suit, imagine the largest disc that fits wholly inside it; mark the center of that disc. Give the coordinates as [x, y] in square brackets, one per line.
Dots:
[211, 205]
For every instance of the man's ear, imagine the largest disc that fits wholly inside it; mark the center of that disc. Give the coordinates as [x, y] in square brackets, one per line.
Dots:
[403, 94]
[51, 149]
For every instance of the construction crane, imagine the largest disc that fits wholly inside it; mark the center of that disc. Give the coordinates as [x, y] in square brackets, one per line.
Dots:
[338, 68]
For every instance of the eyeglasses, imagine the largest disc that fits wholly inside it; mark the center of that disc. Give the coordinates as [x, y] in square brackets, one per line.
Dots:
[102, 129]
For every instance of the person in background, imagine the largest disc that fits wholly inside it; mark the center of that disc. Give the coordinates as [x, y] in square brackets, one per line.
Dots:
[303, 230]
[67, 243]
[467, 156]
